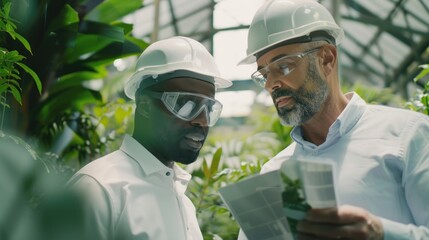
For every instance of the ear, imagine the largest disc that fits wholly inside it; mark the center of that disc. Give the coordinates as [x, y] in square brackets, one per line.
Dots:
[328, 59]
[143, 106]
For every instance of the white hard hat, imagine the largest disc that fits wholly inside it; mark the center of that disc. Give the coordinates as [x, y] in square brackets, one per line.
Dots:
[174, 57]
[289, 21]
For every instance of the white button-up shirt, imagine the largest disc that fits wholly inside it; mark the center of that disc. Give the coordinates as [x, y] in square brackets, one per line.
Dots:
[134, 196]
[382, 158]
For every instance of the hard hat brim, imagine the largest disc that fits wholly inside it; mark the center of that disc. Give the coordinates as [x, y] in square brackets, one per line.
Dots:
[135, 80]
[319, 35]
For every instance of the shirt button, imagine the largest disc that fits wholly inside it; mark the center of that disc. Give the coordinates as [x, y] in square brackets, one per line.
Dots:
[167, 174]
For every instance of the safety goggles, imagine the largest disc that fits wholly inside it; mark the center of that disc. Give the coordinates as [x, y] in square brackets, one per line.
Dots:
[284, 66]
[187, 106]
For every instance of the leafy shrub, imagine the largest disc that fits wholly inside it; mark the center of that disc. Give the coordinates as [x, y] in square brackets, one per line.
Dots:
[420, 102]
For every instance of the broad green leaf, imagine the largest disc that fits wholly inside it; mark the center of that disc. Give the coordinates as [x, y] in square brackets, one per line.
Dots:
[33, 75]
[71, 98]
[112, 10]
[139, 42]
[73, 79]
[116, 33]
[16, 93]
[66, 17]
[128, 28]
[92, 38]
[86, 45]
[215, 161]
[114, 51]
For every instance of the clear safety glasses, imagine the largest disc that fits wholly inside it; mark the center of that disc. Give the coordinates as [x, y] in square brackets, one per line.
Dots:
[284, 66]
[187, 106]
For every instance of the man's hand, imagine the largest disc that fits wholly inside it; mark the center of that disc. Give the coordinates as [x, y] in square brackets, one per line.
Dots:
[345, 222]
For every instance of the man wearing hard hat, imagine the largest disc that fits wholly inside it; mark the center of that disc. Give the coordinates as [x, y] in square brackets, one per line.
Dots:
[381, 153]
[137, 192]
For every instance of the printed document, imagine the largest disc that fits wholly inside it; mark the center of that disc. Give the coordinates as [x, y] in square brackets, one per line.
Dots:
[268, 206]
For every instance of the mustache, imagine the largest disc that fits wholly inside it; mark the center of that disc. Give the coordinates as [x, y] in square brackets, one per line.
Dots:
[282, 92]
[196, 130]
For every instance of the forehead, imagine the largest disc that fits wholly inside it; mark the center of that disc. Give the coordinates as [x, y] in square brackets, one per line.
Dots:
[279, 52]
[186, 84]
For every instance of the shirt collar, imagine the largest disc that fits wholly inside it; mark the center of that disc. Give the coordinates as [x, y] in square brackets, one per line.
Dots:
[148, 162]
[180, 173]
[352, 113]
[342, 125]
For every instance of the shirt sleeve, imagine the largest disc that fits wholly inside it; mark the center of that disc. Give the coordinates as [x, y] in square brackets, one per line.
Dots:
[97, 207]
[415, 180]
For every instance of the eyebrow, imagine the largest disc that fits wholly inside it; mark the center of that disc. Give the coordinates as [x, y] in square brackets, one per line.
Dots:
[274, 59]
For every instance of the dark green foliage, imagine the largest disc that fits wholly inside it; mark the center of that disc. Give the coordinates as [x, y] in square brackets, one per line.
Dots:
[73, 45]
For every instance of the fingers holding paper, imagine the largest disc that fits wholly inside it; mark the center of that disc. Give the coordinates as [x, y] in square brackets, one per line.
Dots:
[345, 222]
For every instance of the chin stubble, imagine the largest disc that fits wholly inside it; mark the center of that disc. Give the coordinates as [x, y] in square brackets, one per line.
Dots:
[308, 101]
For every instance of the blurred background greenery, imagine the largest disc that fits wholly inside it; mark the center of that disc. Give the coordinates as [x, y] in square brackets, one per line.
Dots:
[55, 117]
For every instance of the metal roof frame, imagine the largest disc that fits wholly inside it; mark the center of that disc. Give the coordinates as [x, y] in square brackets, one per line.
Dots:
[409, 34]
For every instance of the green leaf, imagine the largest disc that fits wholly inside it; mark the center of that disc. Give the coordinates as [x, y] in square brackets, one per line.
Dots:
[86, 45]
[92, 38]
[98, 111]
[116, 33]
[6, 8]
[4, 72]
[120, 115]
[71, 98]
[112, 10]
[3, 88]
[33, 75]
[206, 170]
[16, 93]
[67, 16]
[73, 79]
[127, 27]
[13, 56]
[139, 42]
[10, 28]
[16, 83]
[114, 51]
[423, 73]
[14, 76]
[215, 161]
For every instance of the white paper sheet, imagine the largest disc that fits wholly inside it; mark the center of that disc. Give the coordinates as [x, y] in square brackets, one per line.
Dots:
[264, 214]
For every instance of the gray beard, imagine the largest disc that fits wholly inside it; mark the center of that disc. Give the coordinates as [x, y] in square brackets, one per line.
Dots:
[307, 102]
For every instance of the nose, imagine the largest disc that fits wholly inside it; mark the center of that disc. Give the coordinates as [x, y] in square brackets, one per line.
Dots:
[273, 81]
[202, 119]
